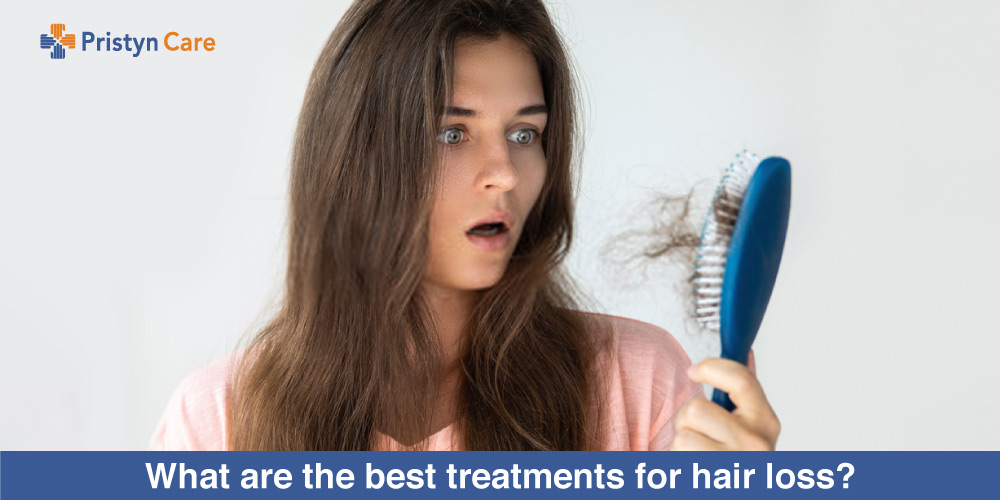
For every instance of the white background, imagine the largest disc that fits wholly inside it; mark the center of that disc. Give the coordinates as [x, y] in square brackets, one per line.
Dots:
[142, 200]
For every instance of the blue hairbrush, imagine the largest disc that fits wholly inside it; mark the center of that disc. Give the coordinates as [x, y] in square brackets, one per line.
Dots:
[740, 251]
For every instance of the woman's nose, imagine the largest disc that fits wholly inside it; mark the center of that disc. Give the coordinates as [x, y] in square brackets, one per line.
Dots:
[497, 168]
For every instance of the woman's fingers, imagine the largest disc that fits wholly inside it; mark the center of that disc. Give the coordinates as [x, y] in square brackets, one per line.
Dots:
[752, 426]
[737, 380]
[687, 439]
[725, 430]
[707, 418]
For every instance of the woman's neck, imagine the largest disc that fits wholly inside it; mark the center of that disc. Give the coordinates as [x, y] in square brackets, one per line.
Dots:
[450, 309]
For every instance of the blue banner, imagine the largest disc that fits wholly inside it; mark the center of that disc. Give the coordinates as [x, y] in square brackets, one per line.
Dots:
[166, 475]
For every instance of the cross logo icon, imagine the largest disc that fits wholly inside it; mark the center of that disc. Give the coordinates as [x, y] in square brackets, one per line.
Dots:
[58, 42]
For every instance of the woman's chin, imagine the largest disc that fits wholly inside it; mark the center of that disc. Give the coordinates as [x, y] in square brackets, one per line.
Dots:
[471, 281]
[484, 278]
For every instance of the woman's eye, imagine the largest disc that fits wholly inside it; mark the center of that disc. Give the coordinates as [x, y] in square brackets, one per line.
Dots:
[451, 136]
[454, 136]
[523, 136]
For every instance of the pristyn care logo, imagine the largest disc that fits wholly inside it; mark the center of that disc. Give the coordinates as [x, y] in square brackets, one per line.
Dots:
[58, 41]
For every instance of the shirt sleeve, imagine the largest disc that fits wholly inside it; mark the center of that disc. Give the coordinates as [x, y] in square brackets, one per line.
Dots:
[685, 390]
[195, 415]
[651, 384]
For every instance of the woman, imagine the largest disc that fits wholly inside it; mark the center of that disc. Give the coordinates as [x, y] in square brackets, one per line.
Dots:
[425, 308]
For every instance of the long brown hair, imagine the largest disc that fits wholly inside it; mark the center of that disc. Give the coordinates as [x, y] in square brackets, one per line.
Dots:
[352, 350]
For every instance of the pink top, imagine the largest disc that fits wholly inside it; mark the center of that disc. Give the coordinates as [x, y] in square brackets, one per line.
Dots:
[648, 385]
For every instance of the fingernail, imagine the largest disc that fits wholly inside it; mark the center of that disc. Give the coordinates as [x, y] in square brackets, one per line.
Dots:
[691, 369]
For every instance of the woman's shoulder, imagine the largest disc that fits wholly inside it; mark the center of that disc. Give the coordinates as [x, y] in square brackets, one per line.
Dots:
[646, 383]
[195, 415]
[641, 342]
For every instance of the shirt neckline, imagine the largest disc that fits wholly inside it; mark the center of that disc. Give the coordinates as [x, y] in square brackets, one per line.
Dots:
[439, 440]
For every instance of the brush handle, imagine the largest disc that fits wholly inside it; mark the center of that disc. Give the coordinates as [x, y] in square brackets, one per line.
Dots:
[722, 399]
[753, 259]
[728, 352]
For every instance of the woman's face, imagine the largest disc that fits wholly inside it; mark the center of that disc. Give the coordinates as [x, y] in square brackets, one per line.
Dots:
[492, 165]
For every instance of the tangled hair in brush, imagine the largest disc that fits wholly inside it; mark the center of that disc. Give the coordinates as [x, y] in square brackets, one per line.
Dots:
[669, 233]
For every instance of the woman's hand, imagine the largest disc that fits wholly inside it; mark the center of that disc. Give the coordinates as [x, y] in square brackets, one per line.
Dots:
[703, 425]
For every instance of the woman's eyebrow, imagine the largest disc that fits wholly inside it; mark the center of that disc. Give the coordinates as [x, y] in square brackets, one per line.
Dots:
[534, 109]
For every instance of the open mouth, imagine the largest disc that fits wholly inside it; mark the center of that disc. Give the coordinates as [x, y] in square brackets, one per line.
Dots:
[488, 229]
[490, 236]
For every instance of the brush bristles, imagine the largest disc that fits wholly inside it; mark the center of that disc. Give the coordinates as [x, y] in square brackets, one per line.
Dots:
[710, 263]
